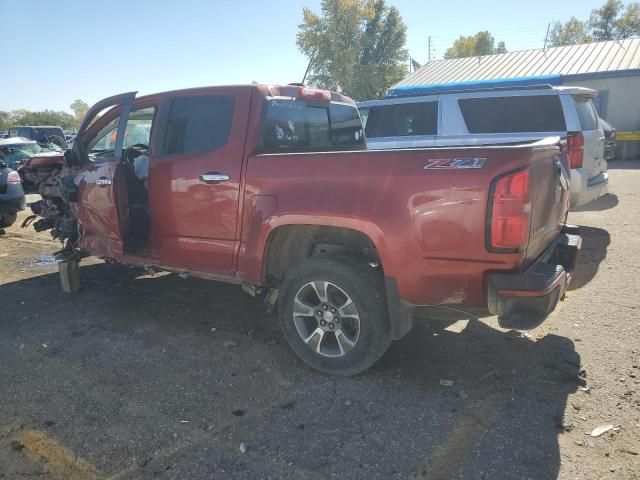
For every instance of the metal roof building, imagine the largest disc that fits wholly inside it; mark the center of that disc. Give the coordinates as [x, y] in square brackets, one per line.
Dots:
[611, 67]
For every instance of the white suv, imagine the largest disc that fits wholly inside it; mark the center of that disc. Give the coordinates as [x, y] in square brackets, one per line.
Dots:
[465, 114]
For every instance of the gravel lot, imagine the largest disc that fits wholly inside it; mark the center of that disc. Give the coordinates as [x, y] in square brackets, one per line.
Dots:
[143, 376]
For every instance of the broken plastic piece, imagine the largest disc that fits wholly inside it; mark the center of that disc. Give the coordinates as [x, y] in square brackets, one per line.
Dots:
[601, 430]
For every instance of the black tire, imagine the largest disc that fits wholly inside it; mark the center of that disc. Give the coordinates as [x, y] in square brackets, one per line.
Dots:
[365, 287]
[58, 140]
[7, 220]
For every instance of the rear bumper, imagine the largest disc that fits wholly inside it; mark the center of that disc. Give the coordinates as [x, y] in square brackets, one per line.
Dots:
[585, 189]
[523, 300]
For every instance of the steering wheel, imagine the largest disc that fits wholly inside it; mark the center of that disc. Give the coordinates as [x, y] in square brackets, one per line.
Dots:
[134, 151]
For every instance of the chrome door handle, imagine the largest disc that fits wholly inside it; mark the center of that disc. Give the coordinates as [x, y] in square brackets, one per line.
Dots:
[214, 177]
[103, 181]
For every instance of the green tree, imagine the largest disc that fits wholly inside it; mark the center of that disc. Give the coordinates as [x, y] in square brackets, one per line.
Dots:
[79, 109]
[604, 20]
[45, 117]
[628, 25]
[482, 43]
[356, 46]
[572, 32]
[6, 120]
[611, 21]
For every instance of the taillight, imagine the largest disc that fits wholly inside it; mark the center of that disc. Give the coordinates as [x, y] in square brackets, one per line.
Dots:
[13, 177]
[575, 149]
[510, 209]
[314, 94]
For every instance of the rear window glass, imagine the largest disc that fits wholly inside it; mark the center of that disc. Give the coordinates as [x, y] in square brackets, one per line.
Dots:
[198, 124]
[541, 113]
[586, 114]
[364, 115]
[298, 125]
[403, 119]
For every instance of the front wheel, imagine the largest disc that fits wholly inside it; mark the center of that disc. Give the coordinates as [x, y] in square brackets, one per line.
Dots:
[333, 313]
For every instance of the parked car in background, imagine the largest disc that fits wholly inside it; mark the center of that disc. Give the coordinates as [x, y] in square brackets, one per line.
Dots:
[14, 151]
[273, 187]
[609, 139]
[490, 112]
[12, 198]
[4, 133]
[43, 134]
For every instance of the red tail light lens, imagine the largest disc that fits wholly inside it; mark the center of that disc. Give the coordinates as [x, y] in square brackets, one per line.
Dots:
[314, 94]
[575, 149]
[510, 211]
[13, 177]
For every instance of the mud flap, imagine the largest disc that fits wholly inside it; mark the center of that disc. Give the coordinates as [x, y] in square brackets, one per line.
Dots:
[400, 313]
[69, 275]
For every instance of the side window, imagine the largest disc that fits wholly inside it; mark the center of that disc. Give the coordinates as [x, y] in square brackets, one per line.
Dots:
[601, 102]
[105, 139]
[586, 114]
[533, 113]
[299, 125]
[364, 115]
[197, 124]
[137, 131]
[403, 119]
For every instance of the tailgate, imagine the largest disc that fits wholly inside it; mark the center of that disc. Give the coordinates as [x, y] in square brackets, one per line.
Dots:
[549, 191]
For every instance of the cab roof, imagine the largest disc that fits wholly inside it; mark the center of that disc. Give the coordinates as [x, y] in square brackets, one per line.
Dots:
[263, 89]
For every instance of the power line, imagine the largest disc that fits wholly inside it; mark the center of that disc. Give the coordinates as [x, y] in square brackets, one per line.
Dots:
[528, 38]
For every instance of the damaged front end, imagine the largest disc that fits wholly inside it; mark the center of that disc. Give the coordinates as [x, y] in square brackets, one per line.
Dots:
[52, 177]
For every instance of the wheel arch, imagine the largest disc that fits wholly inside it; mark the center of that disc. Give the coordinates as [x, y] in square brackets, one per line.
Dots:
[287, 243]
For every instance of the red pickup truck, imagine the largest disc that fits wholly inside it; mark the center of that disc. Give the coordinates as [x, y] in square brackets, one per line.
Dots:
[272, 187]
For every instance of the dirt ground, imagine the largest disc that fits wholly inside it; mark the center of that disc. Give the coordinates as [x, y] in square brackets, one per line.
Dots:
[143, 376]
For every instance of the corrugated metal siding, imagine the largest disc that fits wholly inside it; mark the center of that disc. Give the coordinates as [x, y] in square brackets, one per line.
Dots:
[607, 56]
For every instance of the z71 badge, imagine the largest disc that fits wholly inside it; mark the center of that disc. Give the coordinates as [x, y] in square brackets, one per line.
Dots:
[449, 163]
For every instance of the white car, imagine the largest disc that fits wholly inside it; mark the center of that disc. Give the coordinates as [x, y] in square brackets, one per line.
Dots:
[482, 113]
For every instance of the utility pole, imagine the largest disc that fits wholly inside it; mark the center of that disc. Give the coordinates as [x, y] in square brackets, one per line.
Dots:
[546, 36]
[429, 48]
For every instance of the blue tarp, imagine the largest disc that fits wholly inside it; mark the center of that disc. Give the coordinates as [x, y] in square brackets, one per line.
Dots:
[474, 85]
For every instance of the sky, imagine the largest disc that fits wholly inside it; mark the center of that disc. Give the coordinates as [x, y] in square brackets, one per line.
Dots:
[55, 52]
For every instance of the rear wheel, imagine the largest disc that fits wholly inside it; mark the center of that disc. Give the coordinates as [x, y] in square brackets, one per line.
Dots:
[333, 313]
[8, 220]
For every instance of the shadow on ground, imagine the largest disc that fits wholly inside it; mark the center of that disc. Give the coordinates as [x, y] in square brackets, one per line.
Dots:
[164, 378]
[595, 242]
[605, 202]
